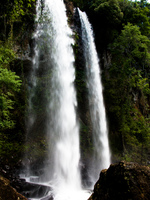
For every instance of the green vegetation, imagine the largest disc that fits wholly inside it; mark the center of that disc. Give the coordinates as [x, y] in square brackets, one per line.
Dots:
[15, 14]
[10, 85]
[127, 86]
[13, 23]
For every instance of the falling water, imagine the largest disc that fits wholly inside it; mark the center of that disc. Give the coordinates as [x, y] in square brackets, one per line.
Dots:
[62, 128]
[101, 158]
[55, 104]
[53, 72]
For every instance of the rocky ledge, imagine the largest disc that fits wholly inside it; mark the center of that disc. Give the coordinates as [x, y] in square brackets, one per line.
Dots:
[123, 181]
[7, 192]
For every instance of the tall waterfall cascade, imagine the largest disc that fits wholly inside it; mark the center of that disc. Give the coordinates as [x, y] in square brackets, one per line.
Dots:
[63, 127]
[52, 116]
[101, 157]
[54, 74]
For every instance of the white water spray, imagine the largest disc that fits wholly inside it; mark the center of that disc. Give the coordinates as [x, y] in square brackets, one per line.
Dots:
[53, 71]
[101, 158]
[53, 65]
[63, 128]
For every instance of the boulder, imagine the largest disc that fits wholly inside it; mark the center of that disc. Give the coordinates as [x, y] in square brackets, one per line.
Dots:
[123, 181]
[7, 192]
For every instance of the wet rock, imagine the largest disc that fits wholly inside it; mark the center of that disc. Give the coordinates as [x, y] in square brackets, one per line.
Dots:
[31, 190]
[70, 11]
[69, 7]
[123, 181]
[7, 192]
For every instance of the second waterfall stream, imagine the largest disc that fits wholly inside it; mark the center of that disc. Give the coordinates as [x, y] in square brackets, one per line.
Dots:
[101, 155]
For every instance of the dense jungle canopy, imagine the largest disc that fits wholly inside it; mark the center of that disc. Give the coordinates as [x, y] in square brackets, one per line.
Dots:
[122, 36]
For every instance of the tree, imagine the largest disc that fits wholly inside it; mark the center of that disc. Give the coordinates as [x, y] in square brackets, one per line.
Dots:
[128, 87]
[13, 11]
[9, 85]
[131, 48]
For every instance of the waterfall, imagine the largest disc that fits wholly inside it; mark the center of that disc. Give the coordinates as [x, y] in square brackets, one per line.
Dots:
[101, 157]
[63, 128]
[52, 124]
[61, 124]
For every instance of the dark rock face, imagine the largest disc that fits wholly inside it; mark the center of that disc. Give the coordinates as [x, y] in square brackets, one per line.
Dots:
[7, 192]
[123, 181]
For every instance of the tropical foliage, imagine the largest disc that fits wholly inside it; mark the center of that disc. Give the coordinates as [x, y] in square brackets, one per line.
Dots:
[13, 21]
